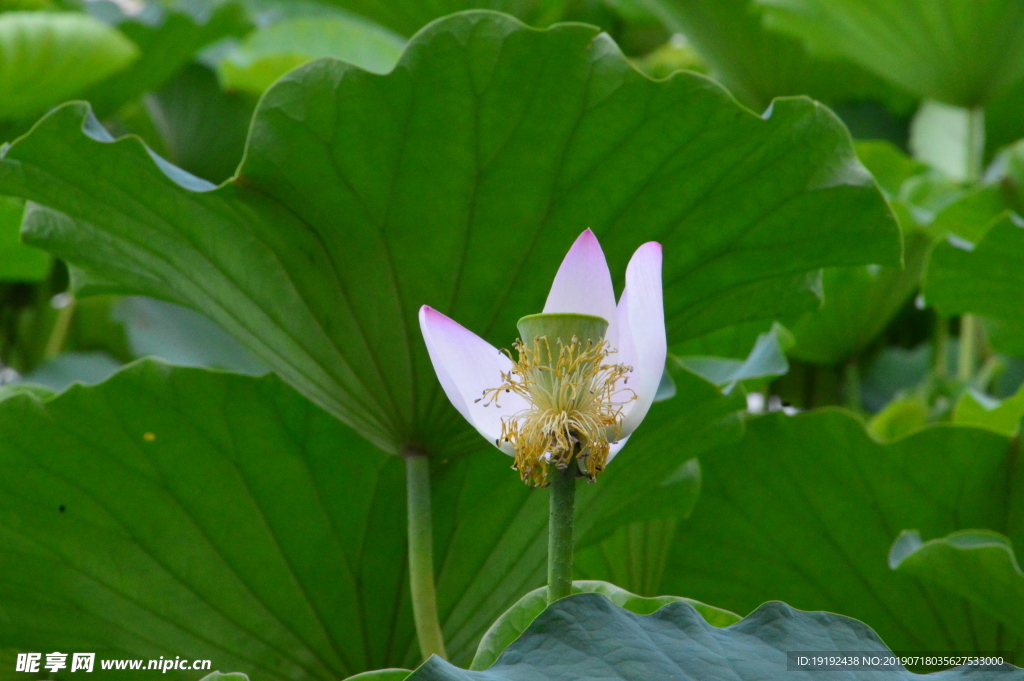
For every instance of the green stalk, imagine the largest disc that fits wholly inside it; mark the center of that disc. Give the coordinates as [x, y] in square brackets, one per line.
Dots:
[975, 144]
[968, 347]
[852, 386]
[421, 555]
[969, 326]
[941, 346]
[59, 332]
[560, 541]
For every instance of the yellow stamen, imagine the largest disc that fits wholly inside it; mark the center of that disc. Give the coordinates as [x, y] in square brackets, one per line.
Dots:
[573, 407]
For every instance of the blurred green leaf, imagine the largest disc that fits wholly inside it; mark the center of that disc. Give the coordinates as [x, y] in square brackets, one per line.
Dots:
[927, 195]
[95, 328]
[39, 392]
[67, 368]
[1004, 336]
[546, 133]
[766, 360]
[893, 371]
[732, 341]
[670, 57]
[18, 262]
[971, 216]
[982, 411]
[635, 555]
[977, 565]
[181, 336]
[859, 303]
[961, 52]
[758, 65]
[888, 165]
[1003, 123]
[406, 17]
[166, 45]
[48, 58]
[268, 53]
[899, 418]
[514, 621]
[22, 5]
[941, 134]
[985, 279]
[1008, 168]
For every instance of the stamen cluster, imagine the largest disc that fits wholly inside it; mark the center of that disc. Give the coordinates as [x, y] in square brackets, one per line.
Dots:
[574, 406]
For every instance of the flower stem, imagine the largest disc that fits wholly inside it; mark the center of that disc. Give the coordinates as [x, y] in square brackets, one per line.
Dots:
[975, 154]
[421, 555]
[61, 327]
[851, 385]
[941, 346]
[560, 541]
[975, 144]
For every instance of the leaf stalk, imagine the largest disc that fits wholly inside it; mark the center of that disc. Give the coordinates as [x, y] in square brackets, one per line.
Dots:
[421, 555]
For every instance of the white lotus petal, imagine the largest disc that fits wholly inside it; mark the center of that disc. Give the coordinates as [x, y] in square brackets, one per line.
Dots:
[466, 365]
[614, 447]
[583, 284]
[641, 321]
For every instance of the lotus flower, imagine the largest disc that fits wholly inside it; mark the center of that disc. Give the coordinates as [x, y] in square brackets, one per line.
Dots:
[586, 373]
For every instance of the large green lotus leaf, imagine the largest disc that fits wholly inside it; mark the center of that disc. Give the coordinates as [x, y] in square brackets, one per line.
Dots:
[459, 181]
[201, 128]
[962, 52]
[47, 58]
[586, 636]
[173, 509]
[165, 46]
[805, 509]
[985, 279]
[18, 262]
[977, 565]
[268, 53]
[514, 621]
[757, 64]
